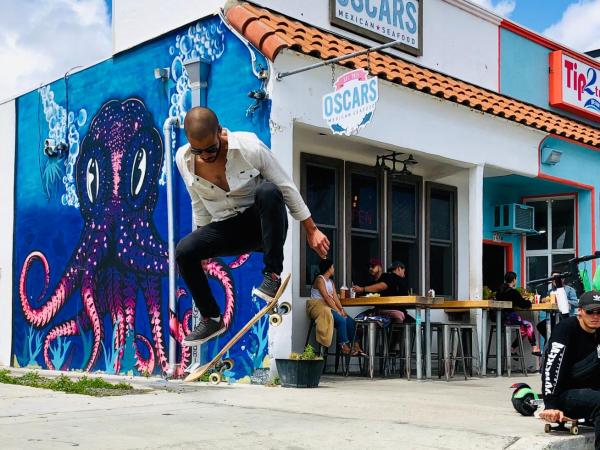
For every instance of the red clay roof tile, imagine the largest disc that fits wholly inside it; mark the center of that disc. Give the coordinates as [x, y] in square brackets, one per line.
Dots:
[271, 32]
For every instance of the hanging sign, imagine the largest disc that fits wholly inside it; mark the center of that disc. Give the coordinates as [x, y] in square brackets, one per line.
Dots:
[382, 20]
[574, 85]
[351, 105]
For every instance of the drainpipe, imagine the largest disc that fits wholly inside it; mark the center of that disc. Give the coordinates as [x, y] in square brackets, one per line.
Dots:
[167, 126]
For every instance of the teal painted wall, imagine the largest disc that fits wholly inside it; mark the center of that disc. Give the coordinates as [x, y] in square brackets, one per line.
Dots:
[578, 164]
[524, 72]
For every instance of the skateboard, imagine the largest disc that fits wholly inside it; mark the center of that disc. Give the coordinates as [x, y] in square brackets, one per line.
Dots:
[572, 426]
[218, 365]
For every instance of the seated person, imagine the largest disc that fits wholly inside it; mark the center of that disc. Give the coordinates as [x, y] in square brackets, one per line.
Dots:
[323, 288]
[508, 293]
[387, 284]
[571, 298]
[571, 375]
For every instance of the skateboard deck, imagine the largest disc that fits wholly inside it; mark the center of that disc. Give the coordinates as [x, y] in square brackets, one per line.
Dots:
[572, 426]
[275, 318]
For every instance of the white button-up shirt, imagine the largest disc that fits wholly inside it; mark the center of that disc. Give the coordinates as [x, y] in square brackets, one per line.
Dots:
[249, 164]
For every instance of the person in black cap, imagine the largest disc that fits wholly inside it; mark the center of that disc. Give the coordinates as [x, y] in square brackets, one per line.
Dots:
[571, 369]
[388, 284]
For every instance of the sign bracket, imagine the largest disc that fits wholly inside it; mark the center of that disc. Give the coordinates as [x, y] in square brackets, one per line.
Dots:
[281, 75]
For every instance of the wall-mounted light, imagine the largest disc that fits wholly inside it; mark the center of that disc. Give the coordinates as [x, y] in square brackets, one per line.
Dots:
[162, 73]
[394, 158]
[550, 156]
[198, 70]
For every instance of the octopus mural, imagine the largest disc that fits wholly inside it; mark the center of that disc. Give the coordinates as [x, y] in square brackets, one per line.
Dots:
[119, 252]
[90, 266]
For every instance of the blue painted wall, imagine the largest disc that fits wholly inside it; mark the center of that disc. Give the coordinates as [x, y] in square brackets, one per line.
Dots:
[524, 72]
[578, 164]
[90, 257]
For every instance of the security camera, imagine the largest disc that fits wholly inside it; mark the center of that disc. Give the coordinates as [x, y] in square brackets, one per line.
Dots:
[162, 73]
[263, 74]
[258, 94]
[53, 151]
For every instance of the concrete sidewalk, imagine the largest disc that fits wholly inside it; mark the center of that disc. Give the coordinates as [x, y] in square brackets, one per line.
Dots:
[352, 413]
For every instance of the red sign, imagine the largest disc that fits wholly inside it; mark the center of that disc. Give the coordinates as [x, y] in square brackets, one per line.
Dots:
[574, 85]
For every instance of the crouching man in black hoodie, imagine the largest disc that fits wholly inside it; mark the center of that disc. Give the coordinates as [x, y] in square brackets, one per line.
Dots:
[571, 370]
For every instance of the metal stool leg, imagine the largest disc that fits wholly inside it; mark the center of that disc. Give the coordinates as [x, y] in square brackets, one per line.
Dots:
[462, 351]
[407, 352]
[522, 355]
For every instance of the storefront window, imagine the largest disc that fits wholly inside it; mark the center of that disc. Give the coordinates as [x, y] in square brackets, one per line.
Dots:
[539, 241]
[321, 178]
[556, 238]
[364, 210]
[405, 206]
[441, 239]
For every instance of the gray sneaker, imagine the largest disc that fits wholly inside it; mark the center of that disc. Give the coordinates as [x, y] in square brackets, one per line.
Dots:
[269, 287]
[204, 331]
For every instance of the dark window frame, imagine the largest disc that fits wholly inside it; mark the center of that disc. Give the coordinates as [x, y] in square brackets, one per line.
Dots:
[361, 169]
[307, 159]
[429, 186]
[416, 181]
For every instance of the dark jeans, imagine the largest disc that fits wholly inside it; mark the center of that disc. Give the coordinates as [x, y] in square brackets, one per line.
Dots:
[582, 404]
[262, 227]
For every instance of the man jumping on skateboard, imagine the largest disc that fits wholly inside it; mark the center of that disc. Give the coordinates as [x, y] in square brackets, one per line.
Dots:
[239, 192]
[571, 375]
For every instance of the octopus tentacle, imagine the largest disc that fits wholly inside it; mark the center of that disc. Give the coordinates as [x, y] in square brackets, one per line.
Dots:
[215, 268]
[144, 365]
[69, 328]
[179, 330]
[239, 261]
[89, 303]
[41, 316]
[151, 289]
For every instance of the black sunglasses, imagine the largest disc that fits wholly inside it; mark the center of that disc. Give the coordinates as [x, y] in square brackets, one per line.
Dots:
[592, 312]
[210, 150]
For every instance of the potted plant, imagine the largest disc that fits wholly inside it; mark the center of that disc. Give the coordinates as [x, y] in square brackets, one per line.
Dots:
[301, 370]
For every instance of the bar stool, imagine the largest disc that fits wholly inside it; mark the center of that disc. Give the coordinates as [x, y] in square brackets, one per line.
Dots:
[449, 359]
[404, 331]
[407, 337]
[507, 359]
[375, 340]
[472, 352]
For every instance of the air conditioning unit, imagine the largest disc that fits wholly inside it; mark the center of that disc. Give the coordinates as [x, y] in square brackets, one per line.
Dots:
[513, 218]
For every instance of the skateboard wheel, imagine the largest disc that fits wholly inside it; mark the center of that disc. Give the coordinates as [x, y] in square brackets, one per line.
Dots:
[547, 428]
[275, 319]
[284, 308]
[574, 430]
[214, 378]
[227, 364]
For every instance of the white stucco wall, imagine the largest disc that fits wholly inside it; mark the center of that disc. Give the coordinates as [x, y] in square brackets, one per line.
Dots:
[7, 172]
[406, 119]
[454, 136]
[458, 38]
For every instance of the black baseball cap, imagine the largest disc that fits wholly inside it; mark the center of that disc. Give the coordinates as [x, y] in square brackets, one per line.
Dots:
[590, 300]
[395, 265]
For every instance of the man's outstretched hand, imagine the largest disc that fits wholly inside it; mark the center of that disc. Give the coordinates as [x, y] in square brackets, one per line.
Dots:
[554, 415]
[316, 239]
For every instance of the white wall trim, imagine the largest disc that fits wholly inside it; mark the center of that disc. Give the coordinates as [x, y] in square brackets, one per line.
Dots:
[7, 174]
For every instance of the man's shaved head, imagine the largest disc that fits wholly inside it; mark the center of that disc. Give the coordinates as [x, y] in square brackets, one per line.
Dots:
[200, 123]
